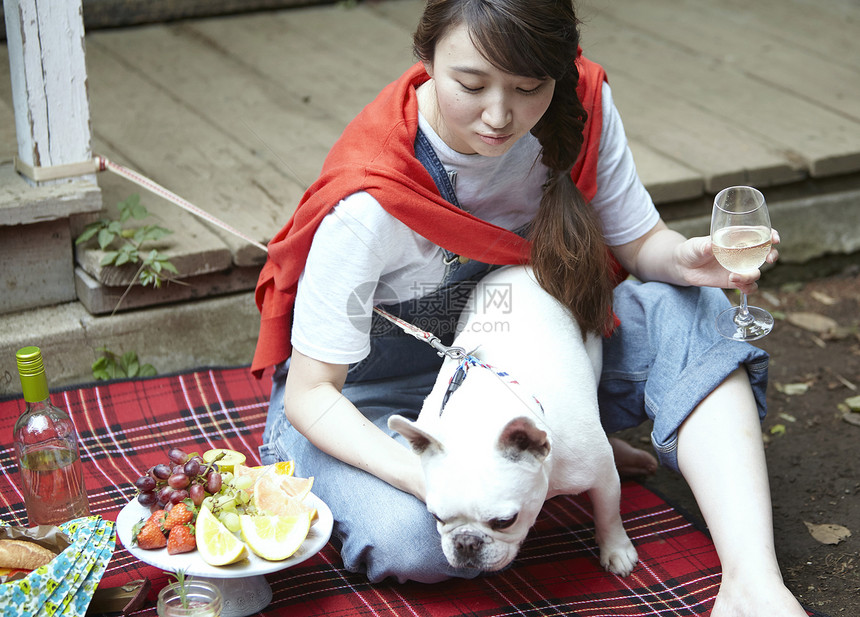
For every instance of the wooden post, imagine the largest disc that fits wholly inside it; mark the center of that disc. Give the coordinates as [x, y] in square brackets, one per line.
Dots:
[45, 39]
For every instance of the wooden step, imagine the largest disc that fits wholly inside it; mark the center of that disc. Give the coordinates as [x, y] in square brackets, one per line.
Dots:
[100, 299]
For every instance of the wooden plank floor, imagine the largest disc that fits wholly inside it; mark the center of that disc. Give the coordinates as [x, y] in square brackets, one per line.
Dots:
[237, 113]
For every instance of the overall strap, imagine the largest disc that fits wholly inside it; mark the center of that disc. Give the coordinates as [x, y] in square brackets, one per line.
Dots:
[426, 155]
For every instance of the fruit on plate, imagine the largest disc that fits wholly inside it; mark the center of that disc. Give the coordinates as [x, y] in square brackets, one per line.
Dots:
[197, 506]
[147, 533]
[181, 477]
[275, 538]
[225, 459]
[181, 539]
[180, 514]
[282, 495]
[217, 545]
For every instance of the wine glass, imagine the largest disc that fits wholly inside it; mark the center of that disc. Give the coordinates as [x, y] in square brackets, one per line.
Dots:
[741, 239]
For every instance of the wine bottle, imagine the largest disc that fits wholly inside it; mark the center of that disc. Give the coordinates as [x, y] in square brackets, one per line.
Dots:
[46, 445]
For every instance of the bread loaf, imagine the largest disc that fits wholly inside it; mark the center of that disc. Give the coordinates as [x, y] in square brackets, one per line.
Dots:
[23, 555]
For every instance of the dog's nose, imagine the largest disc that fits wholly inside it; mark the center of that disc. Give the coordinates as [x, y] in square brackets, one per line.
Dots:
[468, 543]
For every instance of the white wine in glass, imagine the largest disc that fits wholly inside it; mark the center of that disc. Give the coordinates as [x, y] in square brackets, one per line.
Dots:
[741, 239]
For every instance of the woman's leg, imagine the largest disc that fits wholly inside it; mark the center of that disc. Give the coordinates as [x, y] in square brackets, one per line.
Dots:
[721, 455]
[666, 363]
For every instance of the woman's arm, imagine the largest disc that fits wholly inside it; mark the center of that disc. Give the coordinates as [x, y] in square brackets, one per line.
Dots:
[315, 406]
[665, 255]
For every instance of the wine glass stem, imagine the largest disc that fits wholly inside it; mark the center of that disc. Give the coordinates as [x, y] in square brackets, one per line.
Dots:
[743, 317]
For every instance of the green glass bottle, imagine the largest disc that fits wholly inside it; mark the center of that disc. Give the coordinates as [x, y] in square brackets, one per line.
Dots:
[46, 445]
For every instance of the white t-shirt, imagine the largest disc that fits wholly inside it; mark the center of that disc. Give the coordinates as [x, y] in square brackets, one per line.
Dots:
[362, 256]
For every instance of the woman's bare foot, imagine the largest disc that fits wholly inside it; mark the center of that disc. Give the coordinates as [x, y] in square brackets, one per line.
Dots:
[746, 598]
[632, 462]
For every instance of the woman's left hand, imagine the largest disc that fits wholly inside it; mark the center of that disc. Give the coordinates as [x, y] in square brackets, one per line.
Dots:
[698, 266]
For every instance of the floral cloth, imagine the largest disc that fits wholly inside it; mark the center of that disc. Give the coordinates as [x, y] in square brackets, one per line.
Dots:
[66, 585]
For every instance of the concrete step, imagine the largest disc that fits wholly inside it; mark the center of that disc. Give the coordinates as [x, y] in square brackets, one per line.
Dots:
[213, 332]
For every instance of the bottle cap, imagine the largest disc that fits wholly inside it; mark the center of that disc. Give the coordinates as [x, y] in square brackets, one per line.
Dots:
[31, 368]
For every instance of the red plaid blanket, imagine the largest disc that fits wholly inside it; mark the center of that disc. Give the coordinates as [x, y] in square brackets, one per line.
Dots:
[127, 426]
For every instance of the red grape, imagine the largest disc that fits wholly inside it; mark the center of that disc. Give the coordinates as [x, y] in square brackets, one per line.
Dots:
[146, 499]
[178, 481]
[192, 468]
[197, 493]
[145, 484]
[177, 456]
[163, 495]
[161, 472]
[177, 496]
[213, 483]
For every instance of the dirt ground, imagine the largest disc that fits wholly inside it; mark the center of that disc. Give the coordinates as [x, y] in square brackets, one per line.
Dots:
[813, 450]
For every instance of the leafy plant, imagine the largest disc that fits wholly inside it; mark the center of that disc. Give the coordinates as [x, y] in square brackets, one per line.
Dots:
[179, 575]
[112, 366]
[122, 244]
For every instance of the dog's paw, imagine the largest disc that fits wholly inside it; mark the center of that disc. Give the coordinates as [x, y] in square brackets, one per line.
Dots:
[619, 559]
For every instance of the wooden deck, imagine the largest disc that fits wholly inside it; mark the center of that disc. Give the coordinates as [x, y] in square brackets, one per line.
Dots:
[236, 114]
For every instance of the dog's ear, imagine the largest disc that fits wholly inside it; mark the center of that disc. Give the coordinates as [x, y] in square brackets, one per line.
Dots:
[521, 436]
[421, 440]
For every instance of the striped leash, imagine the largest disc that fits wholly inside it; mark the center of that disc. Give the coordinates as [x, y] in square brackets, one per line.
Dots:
[100, 163]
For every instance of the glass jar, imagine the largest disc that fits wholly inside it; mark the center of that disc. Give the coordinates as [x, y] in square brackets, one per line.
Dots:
[203, 598]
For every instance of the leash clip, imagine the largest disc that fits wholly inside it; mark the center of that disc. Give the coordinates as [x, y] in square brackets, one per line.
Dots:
[443, 351]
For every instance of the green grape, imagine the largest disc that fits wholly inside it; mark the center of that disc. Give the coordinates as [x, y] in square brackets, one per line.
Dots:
[225, 500]
[242, 482]
[231, 521]
[226, 477]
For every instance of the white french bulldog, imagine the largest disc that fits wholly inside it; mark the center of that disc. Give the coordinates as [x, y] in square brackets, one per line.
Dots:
[521, 427]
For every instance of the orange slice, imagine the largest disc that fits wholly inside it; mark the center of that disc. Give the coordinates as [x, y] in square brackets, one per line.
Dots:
[282, 495]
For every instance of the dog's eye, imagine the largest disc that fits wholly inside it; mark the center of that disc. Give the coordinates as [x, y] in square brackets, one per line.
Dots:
[438, 520]
[498, 524]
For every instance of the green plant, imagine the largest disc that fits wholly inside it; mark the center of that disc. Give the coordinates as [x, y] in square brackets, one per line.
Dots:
[123, 245]
[112, 366]
[179, 575]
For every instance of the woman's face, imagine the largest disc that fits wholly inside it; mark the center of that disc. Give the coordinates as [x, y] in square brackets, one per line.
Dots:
[475, 107]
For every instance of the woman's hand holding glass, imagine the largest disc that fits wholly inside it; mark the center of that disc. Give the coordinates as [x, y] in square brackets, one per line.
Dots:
[741, 241]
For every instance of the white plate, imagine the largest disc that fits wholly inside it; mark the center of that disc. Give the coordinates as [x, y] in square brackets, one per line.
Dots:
[192, 562]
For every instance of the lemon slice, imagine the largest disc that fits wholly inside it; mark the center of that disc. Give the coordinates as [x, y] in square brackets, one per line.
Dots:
[226, 463]
[275, 537]
[216, 544]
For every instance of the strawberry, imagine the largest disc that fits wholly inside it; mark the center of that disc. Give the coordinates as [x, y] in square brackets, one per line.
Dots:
[181, 539]
[148, 535]
[178, 515]
[157, 517]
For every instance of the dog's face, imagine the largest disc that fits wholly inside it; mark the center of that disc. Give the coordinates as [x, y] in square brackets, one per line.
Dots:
[486, 479]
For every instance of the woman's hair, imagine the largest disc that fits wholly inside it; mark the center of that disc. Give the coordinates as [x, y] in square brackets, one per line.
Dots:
[540, 39]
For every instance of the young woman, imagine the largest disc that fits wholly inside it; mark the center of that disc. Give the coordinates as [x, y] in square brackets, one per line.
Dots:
[502, 145]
